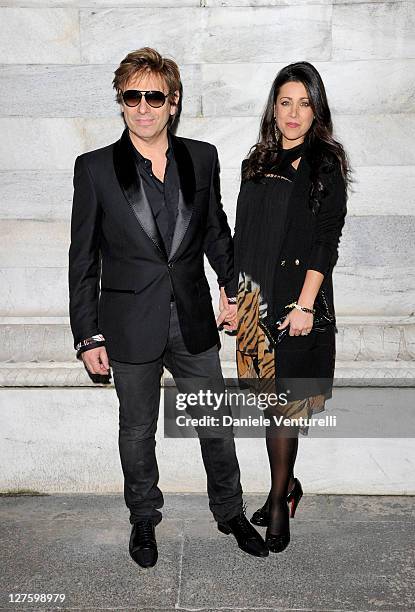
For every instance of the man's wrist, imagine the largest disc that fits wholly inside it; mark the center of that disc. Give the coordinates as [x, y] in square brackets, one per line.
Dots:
[88, 347]
[90, 340]
[89, 343]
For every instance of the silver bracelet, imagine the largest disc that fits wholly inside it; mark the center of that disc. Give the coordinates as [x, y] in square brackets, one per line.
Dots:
[96, 338]
[302, 308]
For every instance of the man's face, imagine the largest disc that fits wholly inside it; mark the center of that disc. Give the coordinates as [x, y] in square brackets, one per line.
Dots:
[144, 121]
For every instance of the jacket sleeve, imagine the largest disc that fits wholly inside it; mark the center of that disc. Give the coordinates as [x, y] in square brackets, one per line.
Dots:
[218, 244]
[84, 256]
[329, 223]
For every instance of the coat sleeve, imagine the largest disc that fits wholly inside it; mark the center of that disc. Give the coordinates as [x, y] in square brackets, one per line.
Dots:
[329, 224]
[84, 255]
[218, 244]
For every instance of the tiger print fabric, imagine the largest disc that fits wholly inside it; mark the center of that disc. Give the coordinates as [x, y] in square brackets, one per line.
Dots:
[255, 356]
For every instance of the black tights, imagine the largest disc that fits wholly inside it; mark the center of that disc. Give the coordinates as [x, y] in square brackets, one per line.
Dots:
[282, 452]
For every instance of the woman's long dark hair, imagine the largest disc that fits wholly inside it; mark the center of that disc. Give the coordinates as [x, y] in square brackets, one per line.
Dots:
[322, 150]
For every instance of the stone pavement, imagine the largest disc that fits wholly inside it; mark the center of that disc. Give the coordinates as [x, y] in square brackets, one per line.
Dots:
[347, 553]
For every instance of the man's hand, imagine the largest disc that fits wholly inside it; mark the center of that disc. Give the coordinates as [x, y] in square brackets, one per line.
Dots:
[96, 360]
[227, 313]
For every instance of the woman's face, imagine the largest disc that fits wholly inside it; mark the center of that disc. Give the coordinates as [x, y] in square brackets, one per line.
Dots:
[293, 113]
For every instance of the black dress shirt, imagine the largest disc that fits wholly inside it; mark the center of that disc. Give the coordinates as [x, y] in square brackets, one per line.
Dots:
[163, 197]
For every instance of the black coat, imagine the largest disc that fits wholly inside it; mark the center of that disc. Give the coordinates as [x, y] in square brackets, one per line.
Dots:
[120, 277]
[310, 241]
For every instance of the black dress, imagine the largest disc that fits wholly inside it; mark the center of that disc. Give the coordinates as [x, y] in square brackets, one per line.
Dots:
[261, 231]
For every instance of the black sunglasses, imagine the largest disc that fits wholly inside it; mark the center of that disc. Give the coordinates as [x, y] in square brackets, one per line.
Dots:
[155, 99]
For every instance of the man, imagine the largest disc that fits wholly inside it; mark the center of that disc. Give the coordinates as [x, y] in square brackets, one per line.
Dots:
[145, 211]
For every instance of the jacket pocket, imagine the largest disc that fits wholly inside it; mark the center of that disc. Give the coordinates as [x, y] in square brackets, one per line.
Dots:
[111, 290]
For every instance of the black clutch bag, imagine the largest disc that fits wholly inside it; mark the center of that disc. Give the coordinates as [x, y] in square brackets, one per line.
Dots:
[323, 320]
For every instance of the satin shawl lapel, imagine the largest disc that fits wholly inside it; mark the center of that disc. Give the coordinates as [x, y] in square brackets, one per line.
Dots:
[187, 189]
[130, 182]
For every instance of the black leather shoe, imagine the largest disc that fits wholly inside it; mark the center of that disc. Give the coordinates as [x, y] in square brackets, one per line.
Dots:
[247, 537]
[143, 545]
[260, 517]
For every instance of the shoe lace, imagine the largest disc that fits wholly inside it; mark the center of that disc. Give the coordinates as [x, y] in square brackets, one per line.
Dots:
[145, 532]
[243, 522]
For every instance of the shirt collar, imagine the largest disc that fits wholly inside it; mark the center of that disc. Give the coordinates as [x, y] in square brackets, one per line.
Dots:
[143, 160]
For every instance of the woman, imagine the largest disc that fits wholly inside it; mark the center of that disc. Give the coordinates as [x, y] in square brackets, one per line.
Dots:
[290, 214]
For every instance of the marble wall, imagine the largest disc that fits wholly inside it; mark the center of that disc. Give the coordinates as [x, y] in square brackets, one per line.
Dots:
[56, 101]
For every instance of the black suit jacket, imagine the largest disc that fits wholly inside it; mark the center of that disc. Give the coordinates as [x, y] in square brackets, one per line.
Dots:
[120, 276]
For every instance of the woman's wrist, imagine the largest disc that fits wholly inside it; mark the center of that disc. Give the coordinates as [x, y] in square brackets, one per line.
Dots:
[307, 303]
[302, 308]
[305, 309]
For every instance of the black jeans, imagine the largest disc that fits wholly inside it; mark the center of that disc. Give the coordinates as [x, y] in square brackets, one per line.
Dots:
[138, 390]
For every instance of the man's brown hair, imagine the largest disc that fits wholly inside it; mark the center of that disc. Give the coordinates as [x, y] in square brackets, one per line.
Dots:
[147, 60]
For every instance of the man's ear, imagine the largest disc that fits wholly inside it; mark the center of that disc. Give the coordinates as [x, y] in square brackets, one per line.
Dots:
[173, 106]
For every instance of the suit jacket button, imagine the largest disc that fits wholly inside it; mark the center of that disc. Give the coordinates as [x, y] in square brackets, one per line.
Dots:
[283, 262]
[297, 262]
[169, 265]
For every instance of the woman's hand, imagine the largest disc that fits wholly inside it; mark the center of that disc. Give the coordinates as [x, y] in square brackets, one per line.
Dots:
[228, 313]
[300, 322]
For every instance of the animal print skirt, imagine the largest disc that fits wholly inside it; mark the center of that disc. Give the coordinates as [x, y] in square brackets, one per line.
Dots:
[255, 356]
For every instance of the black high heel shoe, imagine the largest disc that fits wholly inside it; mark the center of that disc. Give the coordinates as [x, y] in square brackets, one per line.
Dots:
[261, 517]
[277, 542]
[294, 496]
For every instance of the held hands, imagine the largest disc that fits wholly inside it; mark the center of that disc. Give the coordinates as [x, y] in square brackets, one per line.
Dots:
[300, 323]
[96, 360]
[227, 313]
